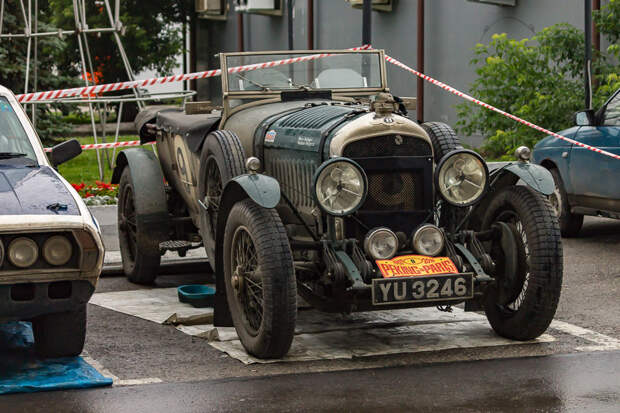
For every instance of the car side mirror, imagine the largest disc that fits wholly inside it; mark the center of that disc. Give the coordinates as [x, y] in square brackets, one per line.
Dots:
[585, 118]
[65, 151]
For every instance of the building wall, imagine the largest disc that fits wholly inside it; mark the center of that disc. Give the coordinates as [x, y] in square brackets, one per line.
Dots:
[453, 27]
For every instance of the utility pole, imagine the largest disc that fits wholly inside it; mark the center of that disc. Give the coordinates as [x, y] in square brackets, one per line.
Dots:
[367, 23]
[420, 86]
[588, 66]
[291, 6]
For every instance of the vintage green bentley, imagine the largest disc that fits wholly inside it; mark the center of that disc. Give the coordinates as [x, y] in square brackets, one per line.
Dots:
[310, 179]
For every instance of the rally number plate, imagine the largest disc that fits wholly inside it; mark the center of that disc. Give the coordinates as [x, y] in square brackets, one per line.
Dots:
[401, 290]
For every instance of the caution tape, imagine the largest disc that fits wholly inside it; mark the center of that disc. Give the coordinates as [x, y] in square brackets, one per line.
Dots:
[113, 87]
[109, 145]
[494, 109]
[98, 89]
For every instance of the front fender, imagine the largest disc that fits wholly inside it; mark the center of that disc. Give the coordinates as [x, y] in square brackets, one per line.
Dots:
[535, 176]
[263, 190]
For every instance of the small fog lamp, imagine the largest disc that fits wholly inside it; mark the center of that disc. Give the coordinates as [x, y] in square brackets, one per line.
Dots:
[381, 244]
[523, 153]
[428, 240]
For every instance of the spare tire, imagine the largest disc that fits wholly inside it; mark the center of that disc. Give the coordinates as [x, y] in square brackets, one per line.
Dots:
[443, 138]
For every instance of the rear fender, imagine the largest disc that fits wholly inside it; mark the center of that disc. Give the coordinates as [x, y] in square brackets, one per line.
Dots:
[263, 190]
[146, 174]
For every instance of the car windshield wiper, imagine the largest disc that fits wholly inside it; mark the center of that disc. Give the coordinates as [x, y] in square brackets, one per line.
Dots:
[263, 87]
[11, 155]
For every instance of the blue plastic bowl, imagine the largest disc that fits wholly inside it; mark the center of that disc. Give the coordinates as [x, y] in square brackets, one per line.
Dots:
[197, 295]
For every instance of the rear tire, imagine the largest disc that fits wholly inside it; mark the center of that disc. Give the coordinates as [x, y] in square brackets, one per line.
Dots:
[222, 159]
[570, 224]
[60, 335]
[526, 311]
[139, 243]
[260, 280]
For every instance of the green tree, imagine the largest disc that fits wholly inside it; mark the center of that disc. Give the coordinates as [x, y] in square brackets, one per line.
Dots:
[152, 36]
[538, 79]
[13, 69]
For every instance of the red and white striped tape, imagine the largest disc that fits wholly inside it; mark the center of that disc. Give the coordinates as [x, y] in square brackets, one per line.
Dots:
[112, 87]
[88, 90]
[494, 109]
[109, 145]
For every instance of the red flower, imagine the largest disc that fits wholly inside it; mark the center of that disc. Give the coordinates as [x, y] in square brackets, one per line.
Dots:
[88, 195]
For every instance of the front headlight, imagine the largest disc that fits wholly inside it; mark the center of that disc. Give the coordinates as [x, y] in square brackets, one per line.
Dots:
[340, 186]
[57, 250]
[23, 252]
[462, 177]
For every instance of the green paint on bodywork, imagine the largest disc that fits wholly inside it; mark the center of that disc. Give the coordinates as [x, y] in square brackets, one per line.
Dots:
[303, 131]
[262, 189]
[536, 176]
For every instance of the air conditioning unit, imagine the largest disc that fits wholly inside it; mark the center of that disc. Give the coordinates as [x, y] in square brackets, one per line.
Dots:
[378, 5]
[209, 7]
[511, 3]
[249, 6]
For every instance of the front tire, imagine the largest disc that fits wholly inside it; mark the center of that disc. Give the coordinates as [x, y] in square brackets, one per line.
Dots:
[525, 312]
[570, 224]
[60, 335]
[260, 280]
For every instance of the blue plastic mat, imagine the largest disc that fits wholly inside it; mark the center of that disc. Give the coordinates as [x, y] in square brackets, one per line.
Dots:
[21, 371]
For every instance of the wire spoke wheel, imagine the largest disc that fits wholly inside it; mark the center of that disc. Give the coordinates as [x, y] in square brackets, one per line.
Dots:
[214, 192]
[516, 290]
[259, 279]
[247, 280]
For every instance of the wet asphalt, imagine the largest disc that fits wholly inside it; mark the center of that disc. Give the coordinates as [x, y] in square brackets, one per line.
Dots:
[577, 382]
[556, 376]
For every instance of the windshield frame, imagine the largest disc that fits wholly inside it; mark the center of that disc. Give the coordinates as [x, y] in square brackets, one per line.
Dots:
[26, 125]
[275, 95]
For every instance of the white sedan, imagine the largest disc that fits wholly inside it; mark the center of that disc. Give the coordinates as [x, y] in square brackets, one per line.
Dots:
[51, 252]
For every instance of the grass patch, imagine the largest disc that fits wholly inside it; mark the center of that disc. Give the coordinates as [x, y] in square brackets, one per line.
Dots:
[84, 168]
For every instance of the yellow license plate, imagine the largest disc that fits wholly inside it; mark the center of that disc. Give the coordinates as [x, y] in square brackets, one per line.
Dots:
[412, 265]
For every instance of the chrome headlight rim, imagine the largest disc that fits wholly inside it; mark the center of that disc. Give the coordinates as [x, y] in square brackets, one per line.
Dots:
[419, 232]
[317, 176]
[368, 239]
[442, 163]
[11, 249]
[47, 245]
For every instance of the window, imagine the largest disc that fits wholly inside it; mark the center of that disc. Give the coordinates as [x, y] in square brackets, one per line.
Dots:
[611, 116]
[13, 137]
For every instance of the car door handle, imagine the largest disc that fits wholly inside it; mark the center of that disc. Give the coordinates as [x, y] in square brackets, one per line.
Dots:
[564, 154]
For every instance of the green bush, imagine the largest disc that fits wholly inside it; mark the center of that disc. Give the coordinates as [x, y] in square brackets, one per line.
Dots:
[539, 80]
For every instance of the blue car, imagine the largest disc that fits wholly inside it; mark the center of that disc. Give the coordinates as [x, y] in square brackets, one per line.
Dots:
[587, 183]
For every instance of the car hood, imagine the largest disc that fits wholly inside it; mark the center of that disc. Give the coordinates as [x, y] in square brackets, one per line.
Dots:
[28, 190]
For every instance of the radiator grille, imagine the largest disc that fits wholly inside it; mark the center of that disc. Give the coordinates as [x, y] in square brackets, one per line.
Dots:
[295, 176]
[389, 145]
[394, 191]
